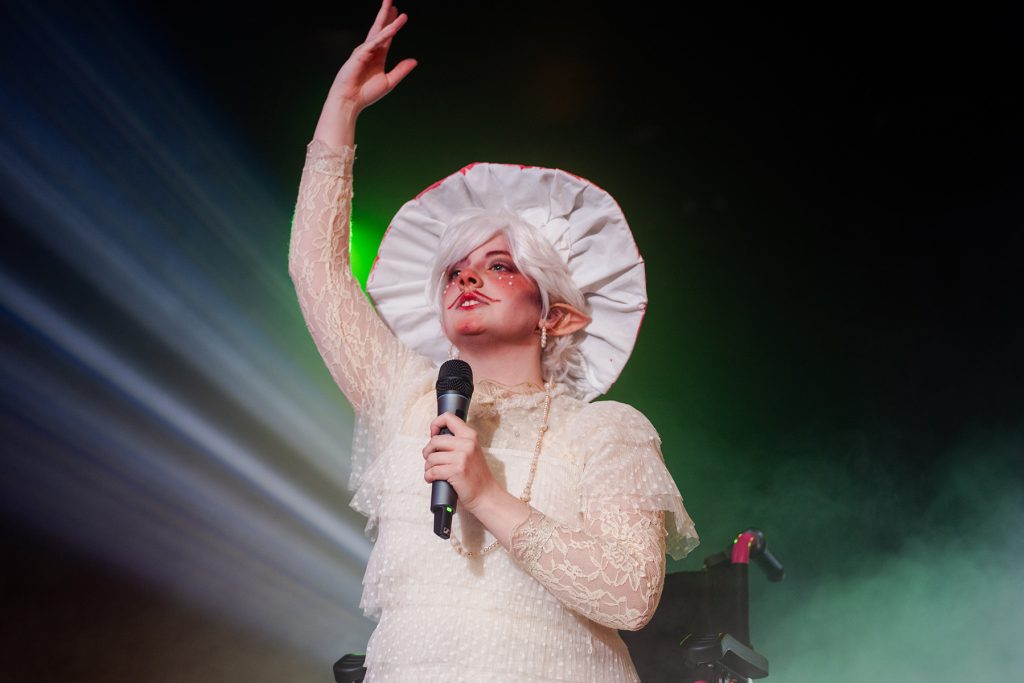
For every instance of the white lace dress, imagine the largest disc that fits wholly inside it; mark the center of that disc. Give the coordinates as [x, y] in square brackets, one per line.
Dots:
[588, 560]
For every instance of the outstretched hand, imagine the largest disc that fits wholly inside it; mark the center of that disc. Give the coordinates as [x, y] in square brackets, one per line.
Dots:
[363, 79]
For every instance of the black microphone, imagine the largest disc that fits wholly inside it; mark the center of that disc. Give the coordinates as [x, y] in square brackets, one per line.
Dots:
[454, 389]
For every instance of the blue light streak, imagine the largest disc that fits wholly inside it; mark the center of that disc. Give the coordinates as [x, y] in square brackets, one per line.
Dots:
[163, 407]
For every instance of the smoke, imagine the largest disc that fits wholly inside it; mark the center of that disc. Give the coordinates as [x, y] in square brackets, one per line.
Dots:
[943, 600]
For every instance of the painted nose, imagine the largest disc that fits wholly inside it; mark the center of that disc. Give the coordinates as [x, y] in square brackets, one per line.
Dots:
[468, 278]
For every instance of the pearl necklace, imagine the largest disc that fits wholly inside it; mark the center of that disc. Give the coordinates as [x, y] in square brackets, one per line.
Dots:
[528, 489]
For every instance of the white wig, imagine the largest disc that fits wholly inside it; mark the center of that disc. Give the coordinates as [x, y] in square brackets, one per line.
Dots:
[562, 360]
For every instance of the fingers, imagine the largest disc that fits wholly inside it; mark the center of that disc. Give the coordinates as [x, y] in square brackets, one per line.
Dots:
[400, 71]
[384, 15]
[441, 443]
[386, 32]
[451, 456]
[375, 49]
[437, 473]
[389, 31]
[447, 465]
[441, 464]
[455, 425]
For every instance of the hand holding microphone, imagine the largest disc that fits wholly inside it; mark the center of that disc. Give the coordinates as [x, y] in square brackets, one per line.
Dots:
[454, 390]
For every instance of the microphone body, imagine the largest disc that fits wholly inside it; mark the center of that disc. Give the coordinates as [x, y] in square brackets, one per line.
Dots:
[454, 390]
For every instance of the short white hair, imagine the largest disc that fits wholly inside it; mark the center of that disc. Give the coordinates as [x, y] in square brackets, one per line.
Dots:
[562, 360]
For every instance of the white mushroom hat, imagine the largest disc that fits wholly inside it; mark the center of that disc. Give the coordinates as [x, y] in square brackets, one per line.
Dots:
[582, 222]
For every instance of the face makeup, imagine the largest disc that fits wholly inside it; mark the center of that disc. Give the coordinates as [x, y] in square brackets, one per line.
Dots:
[487, 295]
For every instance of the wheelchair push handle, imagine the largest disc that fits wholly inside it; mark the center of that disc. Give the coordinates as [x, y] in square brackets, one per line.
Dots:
[751, 545]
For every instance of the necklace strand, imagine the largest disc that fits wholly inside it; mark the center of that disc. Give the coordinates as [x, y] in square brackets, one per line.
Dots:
[528, 489]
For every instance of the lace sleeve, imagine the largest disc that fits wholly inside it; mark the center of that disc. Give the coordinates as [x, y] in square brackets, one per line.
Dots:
[612, 567]
[612, 571]
[359, 350]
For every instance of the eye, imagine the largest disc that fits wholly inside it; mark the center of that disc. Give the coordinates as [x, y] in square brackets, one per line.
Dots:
[453, 273]
[502, 267]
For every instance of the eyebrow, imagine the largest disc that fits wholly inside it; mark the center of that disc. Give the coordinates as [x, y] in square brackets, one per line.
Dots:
[487, 255]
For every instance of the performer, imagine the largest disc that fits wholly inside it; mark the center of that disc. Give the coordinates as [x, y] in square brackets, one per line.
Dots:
[565, 509]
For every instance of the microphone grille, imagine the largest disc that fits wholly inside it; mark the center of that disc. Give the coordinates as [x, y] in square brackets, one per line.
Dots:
[455, 376]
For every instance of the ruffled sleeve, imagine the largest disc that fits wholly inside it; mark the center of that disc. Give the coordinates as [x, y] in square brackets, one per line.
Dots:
[612, 569]
[624, 464]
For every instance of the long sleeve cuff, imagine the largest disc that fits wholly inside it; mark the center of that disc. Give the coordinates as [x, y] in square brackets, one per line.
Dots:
[322, 158]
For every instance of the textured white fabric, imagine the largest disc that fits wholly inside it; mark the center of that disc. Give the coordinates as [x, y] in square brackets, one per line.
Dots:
[587, 561]
[583, 223]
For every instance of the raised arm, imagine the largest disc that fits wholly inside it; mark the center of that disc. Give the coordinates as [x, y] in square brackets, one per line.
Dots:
[356, 346]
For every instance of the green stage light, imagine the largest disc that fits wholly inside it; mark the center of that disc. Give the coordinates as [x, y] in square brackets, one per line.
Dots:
[363, 244]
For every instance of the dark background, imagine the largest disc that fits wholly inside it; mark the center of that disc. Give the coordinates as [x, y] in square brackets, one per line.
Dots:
[829, 204]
